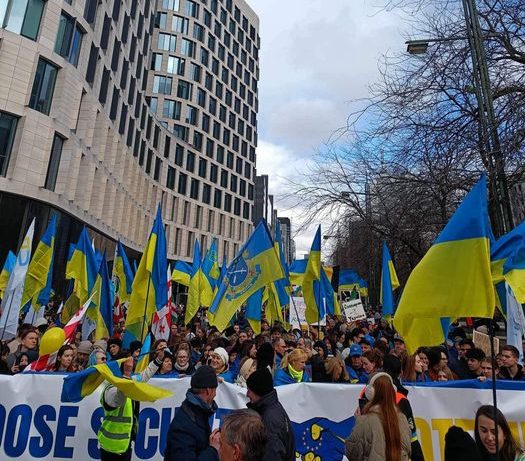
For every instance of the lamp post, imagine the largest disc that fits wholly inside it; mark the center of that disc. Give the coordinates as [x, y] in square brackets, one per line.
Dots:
[487, 118]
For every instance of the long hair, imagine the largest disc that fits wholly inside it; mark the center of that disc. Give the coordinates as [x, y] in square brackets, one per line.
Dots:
[385, 401]
[409, 368]
[510, 447]
[335, 368]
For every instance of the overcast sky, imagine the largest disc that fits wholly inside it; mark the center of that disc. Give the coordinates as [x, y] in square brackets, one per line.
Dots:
[316, 56]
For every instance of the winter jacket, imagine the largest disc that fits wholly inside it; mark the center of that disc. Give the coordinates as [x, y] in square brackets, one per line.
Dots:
[282, 377]
[367, 440]
[189, 432]
[281, 439]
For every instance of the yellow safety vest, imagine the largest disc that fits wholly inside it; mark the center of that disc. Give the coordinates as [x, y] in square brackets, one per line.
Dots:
[114, 434]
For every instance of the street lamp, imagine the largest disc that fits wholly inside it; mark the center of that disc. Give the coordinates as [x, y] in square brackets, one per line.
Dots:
[488, 124]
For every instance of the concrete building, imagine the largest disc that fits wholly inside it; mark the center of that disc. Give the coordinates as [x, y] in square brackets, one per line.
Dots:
[104, 114]
[261, 204]
[287, 241]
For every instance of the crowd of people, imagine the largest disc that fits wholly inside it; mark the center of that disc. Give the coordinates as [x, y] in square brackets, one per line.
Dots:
[367, 352]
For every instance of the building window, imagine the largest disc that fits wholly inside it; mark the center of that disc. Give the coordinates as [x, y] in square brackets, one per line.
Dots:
[182, 183]
[176, 65]
[184, 90]
[170, 4]
[191, 115]
[198, 32]
[189, 245]
[195, 72]
[179, 24]
[190, 162]
[171, 109]
[188, 48]
[90, 11]
[156, 61]
[54, 162]
[167, 42]
[43, 87]
[192, 9]
[160, 20]
[206, 193]
[202, 167]
[22, 16]
[217, 199]
[194, 190]
[162, 84]
[179, 154]
[7, 134]
[170, 179]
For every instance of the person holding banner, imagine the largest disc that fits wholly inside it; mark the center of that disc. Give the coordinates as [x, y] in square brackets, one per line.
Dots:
[292, 369]
[120, 423]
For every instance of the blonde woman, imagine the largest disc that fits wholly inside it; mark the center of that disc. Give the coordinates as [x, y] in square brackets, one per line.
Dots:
[247, 367]
[292, 369]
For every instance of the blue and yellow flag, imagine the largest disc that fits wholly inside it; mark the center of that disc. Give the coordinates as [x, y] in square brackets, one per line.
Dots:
[79, 385]
[255, 266]
[453, 279]
[210, 275]
[514, 273]
[103, 303]
[143, 361]
[194, 290]
[329, 296]
[181, 273]
[254, 310]
[389, 282]
[122, 274]
[315, 309]
[149, 291]
[39, 272]
[297, 270]
[505, 247]
[9, 264]
[82, 267]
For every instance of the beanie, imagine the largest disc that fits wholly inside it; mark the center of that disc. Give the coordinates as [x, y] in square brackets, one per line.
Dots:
[260, 382]
[204, 378]
[85, 347]
[265, 356]
[460, 446]
[221, 352]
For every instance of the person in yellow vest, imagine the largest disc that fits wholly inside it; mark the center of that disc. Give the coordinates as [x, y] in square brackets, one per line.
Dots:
[119, 426]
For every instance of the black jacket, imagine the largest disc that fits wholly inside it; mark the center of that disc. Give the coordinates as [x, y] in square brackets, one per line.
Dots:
[281, 439]
[189, 432]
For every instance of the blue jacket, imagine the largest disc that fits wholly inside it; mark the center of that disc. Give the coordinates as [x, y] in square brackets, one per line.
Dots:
[282, 377]
[189, 432]
[227, 376]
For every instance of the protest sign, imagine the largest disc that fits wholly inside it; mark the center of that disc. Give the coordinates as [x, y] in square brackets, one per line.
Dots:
[354, 310]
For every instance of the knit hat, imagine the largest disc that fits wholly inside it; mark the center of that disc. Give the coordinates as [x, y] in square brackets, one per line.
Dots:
[260, 382]
[221, 352]
[101, 345]
[248, 363]
[134, 345]
[265, 356]
[460, 446]
[116, 341]
[204, 378]
[85, 347]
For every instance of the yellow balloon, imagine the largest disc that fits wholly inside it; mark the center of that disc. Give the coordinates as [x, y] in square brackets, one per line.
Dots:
[51, 340]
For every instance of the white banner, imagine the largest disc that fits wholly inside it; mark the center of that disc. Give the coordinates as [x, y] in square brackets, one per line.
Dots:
[35, 424]
[354, 310]
[298, 314]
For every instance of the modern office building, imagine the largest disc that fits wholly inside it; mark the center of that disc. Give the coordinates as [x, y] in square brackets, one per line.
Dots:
[287, 241]
[262, 203]
[109, 107]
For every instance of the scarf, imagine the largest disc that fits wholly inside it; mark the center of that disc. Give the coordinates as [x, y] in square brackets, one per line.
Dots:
[296, 375]
[179, 368]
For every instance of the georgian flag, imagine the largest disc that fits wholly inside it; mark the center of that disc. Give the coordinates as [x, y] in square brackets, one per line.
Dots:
[71, 327]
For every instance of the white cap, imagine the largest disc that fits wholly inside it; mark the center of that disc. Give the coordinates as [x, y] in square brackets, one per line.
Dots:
[345, 353]
[221, 352]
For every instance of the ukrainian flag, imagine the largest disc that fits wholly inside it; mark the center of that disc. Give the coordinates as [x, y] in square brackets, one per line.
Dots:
[255, 266]
[363, 287]
[389, 282]
[210, 275]
[143, 361]
[79, 385]
[329, 296]
[39, 272]
[514, 273]
[82, 267]
[297, 270]
[194, 290]
[453, 279]
[315, 309]
[123, 274]
[9, 264]
[348, 280]
[181, 273]
[254, 310]
[102, 303]
[149, 291]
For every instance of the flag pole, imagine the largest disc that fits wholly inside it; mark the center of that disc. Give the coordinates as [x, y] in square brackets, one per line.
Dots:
[145, 309]
[494, 393]
[7, 315]
[296, 312]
